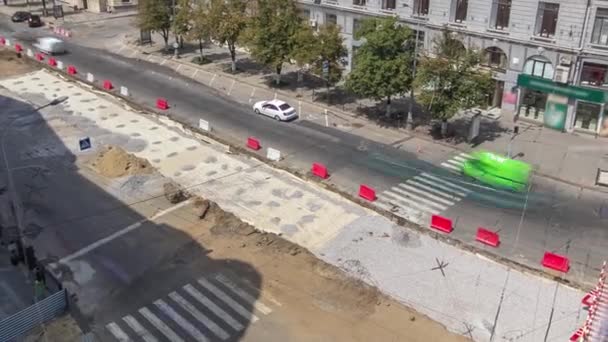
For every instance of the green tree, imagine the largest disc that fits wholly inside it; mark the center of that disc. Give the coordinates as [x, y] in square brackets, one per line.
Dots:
[200, 27]
[155, 16]
[305, 50]
[181, 21]
[330, 49]
[228, 19]
[271, 33]
[383, 63]
[449, 80]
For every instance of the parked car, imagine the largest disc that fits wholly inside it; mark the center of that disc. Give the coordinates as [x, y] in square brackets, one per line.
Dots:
[50, 45]
[276, 109]
[20, 16]
[34, 21]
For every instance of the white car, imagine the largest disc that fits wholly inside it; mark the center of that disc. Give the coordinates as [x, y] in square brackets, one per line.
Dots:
[50, 45]
[276, 109]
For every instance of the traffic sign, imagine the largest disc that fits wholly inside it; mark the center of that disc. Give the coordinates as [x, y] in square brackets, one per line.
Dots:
[85, 143]
[325, 68]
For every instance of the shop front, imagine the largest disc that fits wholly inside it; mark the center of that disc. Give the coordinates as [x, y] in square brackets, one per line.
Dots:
[562, 107]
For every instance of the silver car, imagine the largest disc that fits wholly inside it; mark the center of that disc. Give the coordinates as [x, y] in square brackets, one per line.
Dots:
[276, 109]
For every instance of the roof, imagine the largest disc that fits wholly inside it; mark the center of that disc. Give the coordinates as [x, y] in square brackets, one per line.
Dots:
[276, 102]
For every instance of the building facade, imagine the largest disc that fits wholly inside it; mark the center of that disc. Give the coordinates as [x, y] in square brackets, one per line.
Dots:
[549, 59]
[99, 6]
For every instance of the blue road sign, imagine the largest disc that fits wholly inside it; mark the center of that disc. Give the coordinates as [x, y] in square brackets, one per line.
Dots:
[85, 143]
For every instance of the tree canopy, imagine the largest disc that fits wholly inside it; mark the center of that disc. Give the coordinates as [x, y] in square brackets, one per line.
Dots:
[155, 16]
[228, 19]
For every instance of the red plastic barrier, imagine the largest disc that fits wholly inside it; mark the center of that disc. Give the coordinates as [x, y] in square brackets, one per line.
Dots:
[52, 62]
[2, 40]
[488, 237]
[589, 298]
[319, 170]
[162, 104]
[441, 223]
[39, 57]
[18, 48]
[107, 85]
[72, 70]
[253, 143]
[577, 335]
[556, 262]
[367, 193]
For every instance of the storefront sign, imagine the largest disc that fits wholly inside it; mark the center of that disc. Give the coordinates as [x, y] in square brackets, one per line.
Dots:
[556, 112]
[548, 86]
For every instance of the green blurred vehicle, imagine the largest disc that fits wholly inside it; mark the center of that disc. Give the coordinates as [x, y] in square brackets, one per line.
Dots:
[498, 171]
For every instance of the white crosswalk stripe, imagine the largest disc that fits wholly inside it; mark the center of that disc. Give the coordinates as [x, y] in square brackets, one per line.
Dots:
[205, 310]
[426, 194]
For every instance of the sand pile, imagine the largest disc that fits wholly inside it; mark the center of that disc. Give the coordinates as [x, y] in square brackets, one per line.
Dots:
[115, 162]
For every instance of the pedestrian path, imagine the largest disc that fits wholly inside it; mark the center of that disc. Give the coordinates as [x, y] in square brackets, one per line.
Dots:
[426, 194]
[211, 308]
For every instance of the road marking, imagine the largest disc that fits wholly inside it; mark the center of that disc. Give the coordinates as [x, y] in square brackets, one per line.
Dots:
[243, 294]
[195, 72]
[450, 166]
[120, 233]
[158, 324]
[163, 61]
[118, 51]
[231, 302]
[407, 201]
[214, 328]
[179, 66]
[440, 186]
[231, 86]
[181, 321]
[431, 189]
[326, 119]
[212, 79]
[423, 201]
[275, 95]
[465, 190]
[133, 54]
[139, 329]
[422, 193]
[219, 312]
[117, 332]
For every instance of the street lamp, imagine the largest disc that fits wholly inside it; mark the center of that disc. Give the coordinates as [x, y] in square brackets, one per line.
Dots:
[14, 196]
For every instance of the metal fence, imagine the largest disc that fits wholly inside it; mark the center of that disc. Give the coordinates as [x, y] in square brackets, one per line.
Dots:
[27, 319]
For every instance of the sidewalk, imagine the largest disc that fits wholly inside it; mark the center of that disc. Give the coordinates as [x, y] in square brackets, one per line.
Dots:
[571, 158]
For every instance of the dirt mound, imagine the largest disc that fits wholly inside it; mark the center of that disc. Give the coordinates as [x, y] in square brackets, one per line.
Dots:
[115, 162]
[11, 65]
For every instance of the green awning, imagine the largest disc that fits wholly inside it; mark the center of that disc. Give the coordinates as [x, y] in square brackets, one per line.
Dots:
[548, 86]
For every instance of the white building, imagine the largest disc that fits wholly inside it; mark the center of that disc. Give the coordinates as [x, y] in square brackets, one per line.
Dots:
[563, 44]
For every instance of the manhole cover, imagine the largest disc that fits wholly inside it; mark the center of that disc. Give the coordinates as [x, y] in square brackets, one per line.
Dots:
[602, 177]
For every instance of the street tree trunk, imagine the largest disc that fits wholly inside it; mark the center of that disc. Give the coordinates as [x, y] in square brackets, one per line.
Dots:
[444, 127]
[388, 107]
[232, 49]
[278, 69]
[200, 46]
[300, 80]
[165, 34]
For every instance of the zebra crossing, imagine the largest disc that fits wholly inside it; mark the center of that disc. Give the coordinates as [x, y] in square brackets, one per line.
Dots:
[425, 194]
[211, 308]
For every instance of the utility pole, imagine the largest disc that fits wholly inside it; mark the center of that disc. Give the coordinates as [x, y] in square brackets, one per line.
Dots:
[409, 123]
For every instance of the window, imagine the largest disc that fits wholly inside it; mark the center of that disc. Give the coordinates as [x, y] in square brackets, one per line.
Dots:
[495, 58]
[421, 7]
[304, 14]
[501, 14]
[594, 75]
[539, 66]
[359, 2]
[353, 56]
[331, 19]
[389, 4]
[587, 115]
[284, 107]
[546, 19]
[459, 8]
[600, 27]
[356, 25]
[420, 38]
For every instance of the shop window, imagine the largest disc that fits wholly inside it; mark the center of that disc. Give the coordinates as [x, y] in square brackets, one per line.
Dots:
[587, 115]
[389, 5]
[595, 75]
[494, 57]
[600, 27]
[421, 7]
[533, 104]
[501, 13]
[331, 19]
[359, 2]
[539, 66]
[459, 10]
[546, 19]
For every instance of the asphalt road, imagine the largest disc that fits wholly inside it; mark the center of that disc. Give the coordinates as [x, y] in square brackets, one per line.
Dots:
[552, 216]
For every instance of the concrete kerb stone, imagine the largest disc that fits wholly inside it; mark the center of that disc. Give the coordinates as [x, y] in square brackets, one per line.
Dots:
[235, 148]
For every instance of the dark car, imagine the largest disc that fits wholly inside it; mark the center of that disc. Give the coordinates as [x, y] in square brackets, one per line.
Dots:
[34, 21]
[20, 16]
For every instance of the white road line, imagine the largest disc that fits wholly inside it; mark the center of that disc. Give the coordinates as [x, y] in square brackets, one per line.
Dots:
[466, 155]
[219, 312]
[139, 329]
[414, 182]
[181, 321]
[399, 191]
[445, 182]
[450, 166]
[440, 186]
[214, 328]
[454, 162]
[243, 294]
[158, 324]
[117, 332]
[460, 159]
[120, 233]
[179, 66]
[421, 192]
[231, 302]
[195, 72]
[408, 203]
[163, 61]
